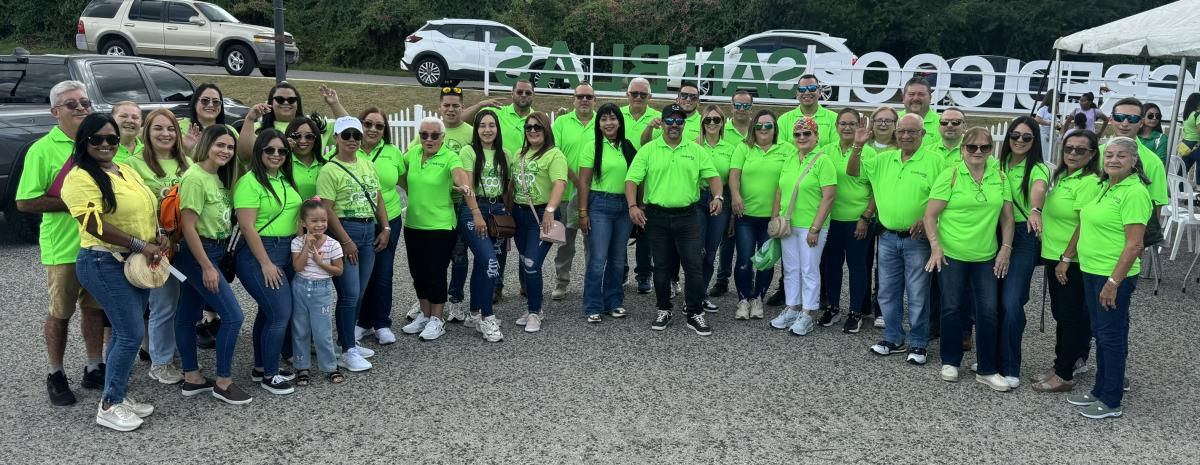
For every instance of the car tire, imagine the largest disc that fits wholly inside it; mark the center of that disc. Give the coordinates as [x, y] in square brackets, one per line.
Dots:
[430, 71]
[116, 47]
[22, 226]
[239, 60]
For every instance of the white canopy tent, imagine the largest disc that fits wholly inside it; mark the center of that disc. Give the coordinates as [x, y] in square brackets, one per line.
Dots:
[1169, 31]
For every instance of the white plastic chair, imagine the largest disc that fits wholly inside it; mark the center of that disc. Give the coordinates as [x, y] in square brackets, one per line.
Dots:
[1181, 216]
[1176, 166]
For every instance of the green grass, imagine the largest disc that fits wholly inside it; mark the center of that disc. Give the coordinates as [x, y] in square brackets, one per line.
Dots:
[321, 67]
[7, 44]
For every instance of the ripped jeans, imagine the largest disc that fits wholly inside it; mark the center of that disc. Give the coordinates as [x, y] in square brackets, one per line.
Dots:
[533, 251]
[485, 250]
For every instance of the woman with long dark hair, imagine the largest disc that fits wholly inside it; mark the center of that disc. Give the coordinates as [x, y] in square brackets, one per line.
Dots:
[375, 315]
[283, 105]
[604, 216]
[539, 177]
[304, 140]
[117, 215]
[1151, 134]
[207, 108]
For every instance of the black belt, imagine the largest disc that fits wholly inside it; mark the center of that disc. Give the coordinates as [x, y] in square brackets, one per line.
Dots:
[489, 200]
[205, 240]
[900, 234]
[671, 210]
[359, 220]
[609, 194]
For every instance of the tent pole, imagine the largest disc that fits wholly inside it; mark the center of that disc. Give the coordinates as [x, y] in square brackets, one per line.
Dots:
[1172, 139]
[1054, 104]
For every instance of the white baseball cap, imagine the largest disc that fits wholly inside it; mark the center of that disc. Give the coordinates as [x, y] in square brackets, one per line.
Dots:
[347, 122]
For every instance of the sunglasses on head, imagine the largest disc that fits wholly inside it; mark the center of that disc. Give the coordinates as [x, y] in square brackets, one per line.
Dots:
[306, 136]
[802, 134]
[534, 128]
[807, 89]
[209, 101]
[375, 126]
[688, 96]
[978, 148]
[1020, 136]
[286, 100]
[1076, 150]
[111, 139]
[431, 135]
[1122, 117]
[452, 91]
[712, 120]
[674, 121]
[742, 106]
[641, 95]
[585, 97]
[75, 104]
[952, 122]
[272, 151]
[351, 134]
[764, 126]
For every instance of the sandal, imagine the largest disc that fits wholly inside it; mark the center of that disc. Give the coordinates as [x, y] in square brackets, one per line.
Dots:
[302, 378]
[337, 377]
[1054, 384]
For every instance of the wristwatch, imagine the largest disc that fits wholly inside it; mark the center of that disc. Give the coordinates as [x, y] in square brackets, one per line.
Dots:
[1064, 259]
[719, 197]
[550, 209]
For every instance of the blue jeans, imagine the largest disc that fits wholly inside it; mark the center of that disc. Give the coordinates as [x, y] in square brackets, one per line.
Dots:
[750, 232]
[902, 272]
[352, 284]
[164, 302]
[376, 309]
[533, 252]
[607, 247]
[842, 247]
[192, 298]
[274, 305]
[714, 233]
[486, 252]
[1014, 294]
[104, 277]
[1110, 327]
[458, 262]
[963, 283]
[312, 318]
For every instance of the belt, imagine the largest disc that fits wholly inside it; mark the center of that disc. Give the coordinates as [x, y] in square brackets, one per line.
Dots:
[205, 240]
[900, 234]
[488, 200]
[359, 220]
[671, 210]
[609, 195]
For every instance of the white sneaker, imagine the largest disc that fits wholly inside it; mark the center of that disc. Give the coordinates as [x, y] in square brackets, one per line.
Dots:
[994, 381]
[950, 373]
[786, 318]
[490, 327]
[166, 374]
[879, 322]
[140, 409]
[743, 310]
[414, 311]
[417, 325]
[533, 323]
[118, 417]
[385, 336]
[360, 331]
[524, 318]
[803, 325]
[363, 351]
[351, 360]
[472, 321]
[1013, 381]
[756, 309]
[455, 311]
[433, 330]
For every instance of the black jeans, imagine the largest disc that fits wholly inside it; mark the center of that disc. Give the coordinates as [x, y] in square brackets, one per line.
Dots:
[1073, 326]
[429, 253]
[676, 232]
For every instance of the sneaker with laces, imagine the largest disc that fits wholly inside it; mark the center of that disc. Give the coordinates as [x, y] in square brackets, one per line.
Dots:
[524, 318]
[277, 385]
[559, 292]
[950, 373]
[232, 395]
[743, 310]
[1098, 411]
[803, 324]
[360, 332]
[455, 311]
[166, 373]
[363, 351]
[490, 329]
[433, 330]
[853, 324]
[661, 321]
[93, 379]
[917, 356]
[417, 325]
[879, 322]
[644, 286]
[994, 381]
[697, 323]
[58, 388]
[829, 316]
[709, 306]
[887, 348]
[1082, 399]
[118, 417]
[593, 319]
[351, 360]
[190, 389]
[472, 320]
[786, 318]
[385, 336]
[414, 311]
[141, 409]
[1013, 381]
[256, 374]
[533, 323]
[618, 312]
[756, 309]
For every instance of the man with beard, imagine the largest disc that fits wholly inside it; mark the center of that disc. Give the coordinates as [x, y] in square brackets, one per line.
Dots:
[916, 98]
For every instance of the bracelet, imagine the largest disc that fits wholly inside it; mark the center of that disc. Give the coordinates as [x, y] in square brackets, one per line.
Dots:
[856, 147]
[1007, 245]
[631, 207]
[583, 210]
[137, 245]
[387, 228]
[1113, 282]
[1036, 210]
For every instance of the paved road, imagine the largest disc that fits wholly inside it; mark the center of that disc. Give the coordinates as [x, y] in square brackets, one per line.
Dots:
[615, 393]
[324, 76]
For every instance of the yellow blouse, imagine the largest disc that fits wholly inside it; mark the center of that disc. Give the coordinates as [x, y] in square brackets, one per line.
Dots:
[136, 213]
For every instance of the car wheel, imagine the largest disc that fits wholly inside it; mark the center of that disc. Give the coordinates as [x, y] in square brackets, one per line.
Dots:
[827, 92]
[705, 87]
[239, 60]
[22, 226]
[116, 47]
[430, 71]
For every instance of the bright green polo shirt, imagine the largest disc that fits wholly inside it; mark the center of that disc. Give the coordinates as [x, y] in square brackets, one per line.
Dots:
[732, 133]
[635, 127]
[1102, 221]
[203, 193]
[281, 214]
[1155, 172]
[1021, 206]
[901, 187]
[58, 238]
[306, 177]
[1060, 216]
[429, 185]
[576, 139]
[670, 175]
[950, 156]
[613, 169]
[932, 120]
[512, 127]
[760, 175]
[808, 201]
[159, 185]
[721, 156]
[389, 166]
[967, 227]
[533, 180]
[825, 118]
[123, 154]
[456, 138]
[853, 192]
[691, 127]
[490, 184]
[351, 199]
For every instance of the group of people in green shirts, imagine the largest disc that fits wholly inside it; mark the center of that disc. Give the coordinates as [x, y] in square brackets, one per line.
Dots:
[297, 207]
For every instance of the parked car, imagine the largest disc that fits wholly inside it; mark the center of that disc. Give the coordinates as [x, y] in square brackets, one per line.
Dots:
[25, 82]
[764, 43]
[455, 49]
[179, 32]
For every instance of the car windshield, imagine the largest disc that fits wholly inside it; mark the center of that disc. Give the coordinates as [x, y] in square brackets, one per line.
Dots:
[215, 13]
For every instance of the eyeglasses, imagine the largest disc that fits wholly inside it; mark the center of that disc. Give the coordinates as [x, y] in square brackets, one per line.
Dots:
[641, 95]
[375, 126]
[351, 134]
[884, 121]
[534, 128]
[688, 96]
[712, 120]
[209, 101]
[272, 151]
[1076, 150]
[806, 89]
[308, 136]
[802, 134]
[452, 90]
[674, 121]
[585, 97]
[764, 126]
[288, 100]
[75, 104]
[952, 122]
[1020, 136]
[978, 148]
[908, 132]
[111, 139]
[847, 124]
[1151, 115]
[1122, 117]
[742, 106]
[523, 93]
[431, 135]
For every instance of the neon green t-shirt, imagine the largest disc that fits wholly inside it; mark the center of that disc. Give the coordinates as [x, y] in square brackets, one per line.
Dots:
[512, 127]
[533, 179]
[274, 218]
[1190, 131]
[901, 187]
[306, 177]
[203, 193]
[58, 239]
[721, 156]
[1155, 172]
[123, 154]
[1102, 221]
[670, 175]
[808, 201]
[490, 183]
[159, 185]
[352, 199]
[1060, 216]
[389, 166]
[613, 169]
[1015, 175]
[853, 192]
[760, 175]
[576, 139]
[635, 127]
[825, 118]
[429, 185]
[967, 227]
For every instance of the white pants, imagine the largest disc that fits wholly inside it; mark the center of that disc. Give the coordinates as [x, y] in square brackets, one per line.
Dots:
[802, 269]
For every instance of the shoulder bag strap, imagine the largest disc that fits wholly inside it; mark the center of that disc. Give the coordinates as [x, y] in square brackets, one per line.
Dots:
[796, 189]
[529, 194]
[374, 209]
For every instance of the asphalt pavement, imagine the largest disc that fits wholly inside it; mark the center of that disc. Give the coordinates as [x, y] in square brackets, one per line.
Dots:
[616, 392]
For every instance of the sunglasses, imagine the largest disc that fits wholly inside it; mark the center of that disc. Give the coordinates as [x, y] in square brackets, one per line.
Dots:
[534, 128]
[952, 122]
[1122, 117]
[764, 126]
[978, 148]
[641, 95]
[431, 135]
[712, 120]
[111, 139]
[75, 104]
[742, 106]
[585, 97]
[806, 89]
[1076, 150]
[1021, 136]
[688, 96]
[452, 90]
[673, 121]
[209, 101]
[351, 134]
[375, 126]
[802, 134]
[272, 151]
[523, 93]
[1151, 115]
[286, 100]
[306, 136]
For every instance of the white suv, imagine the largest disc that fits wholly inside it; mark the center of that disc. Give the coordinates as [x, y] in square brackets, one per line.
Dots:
[764, 43]
[454, 49]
